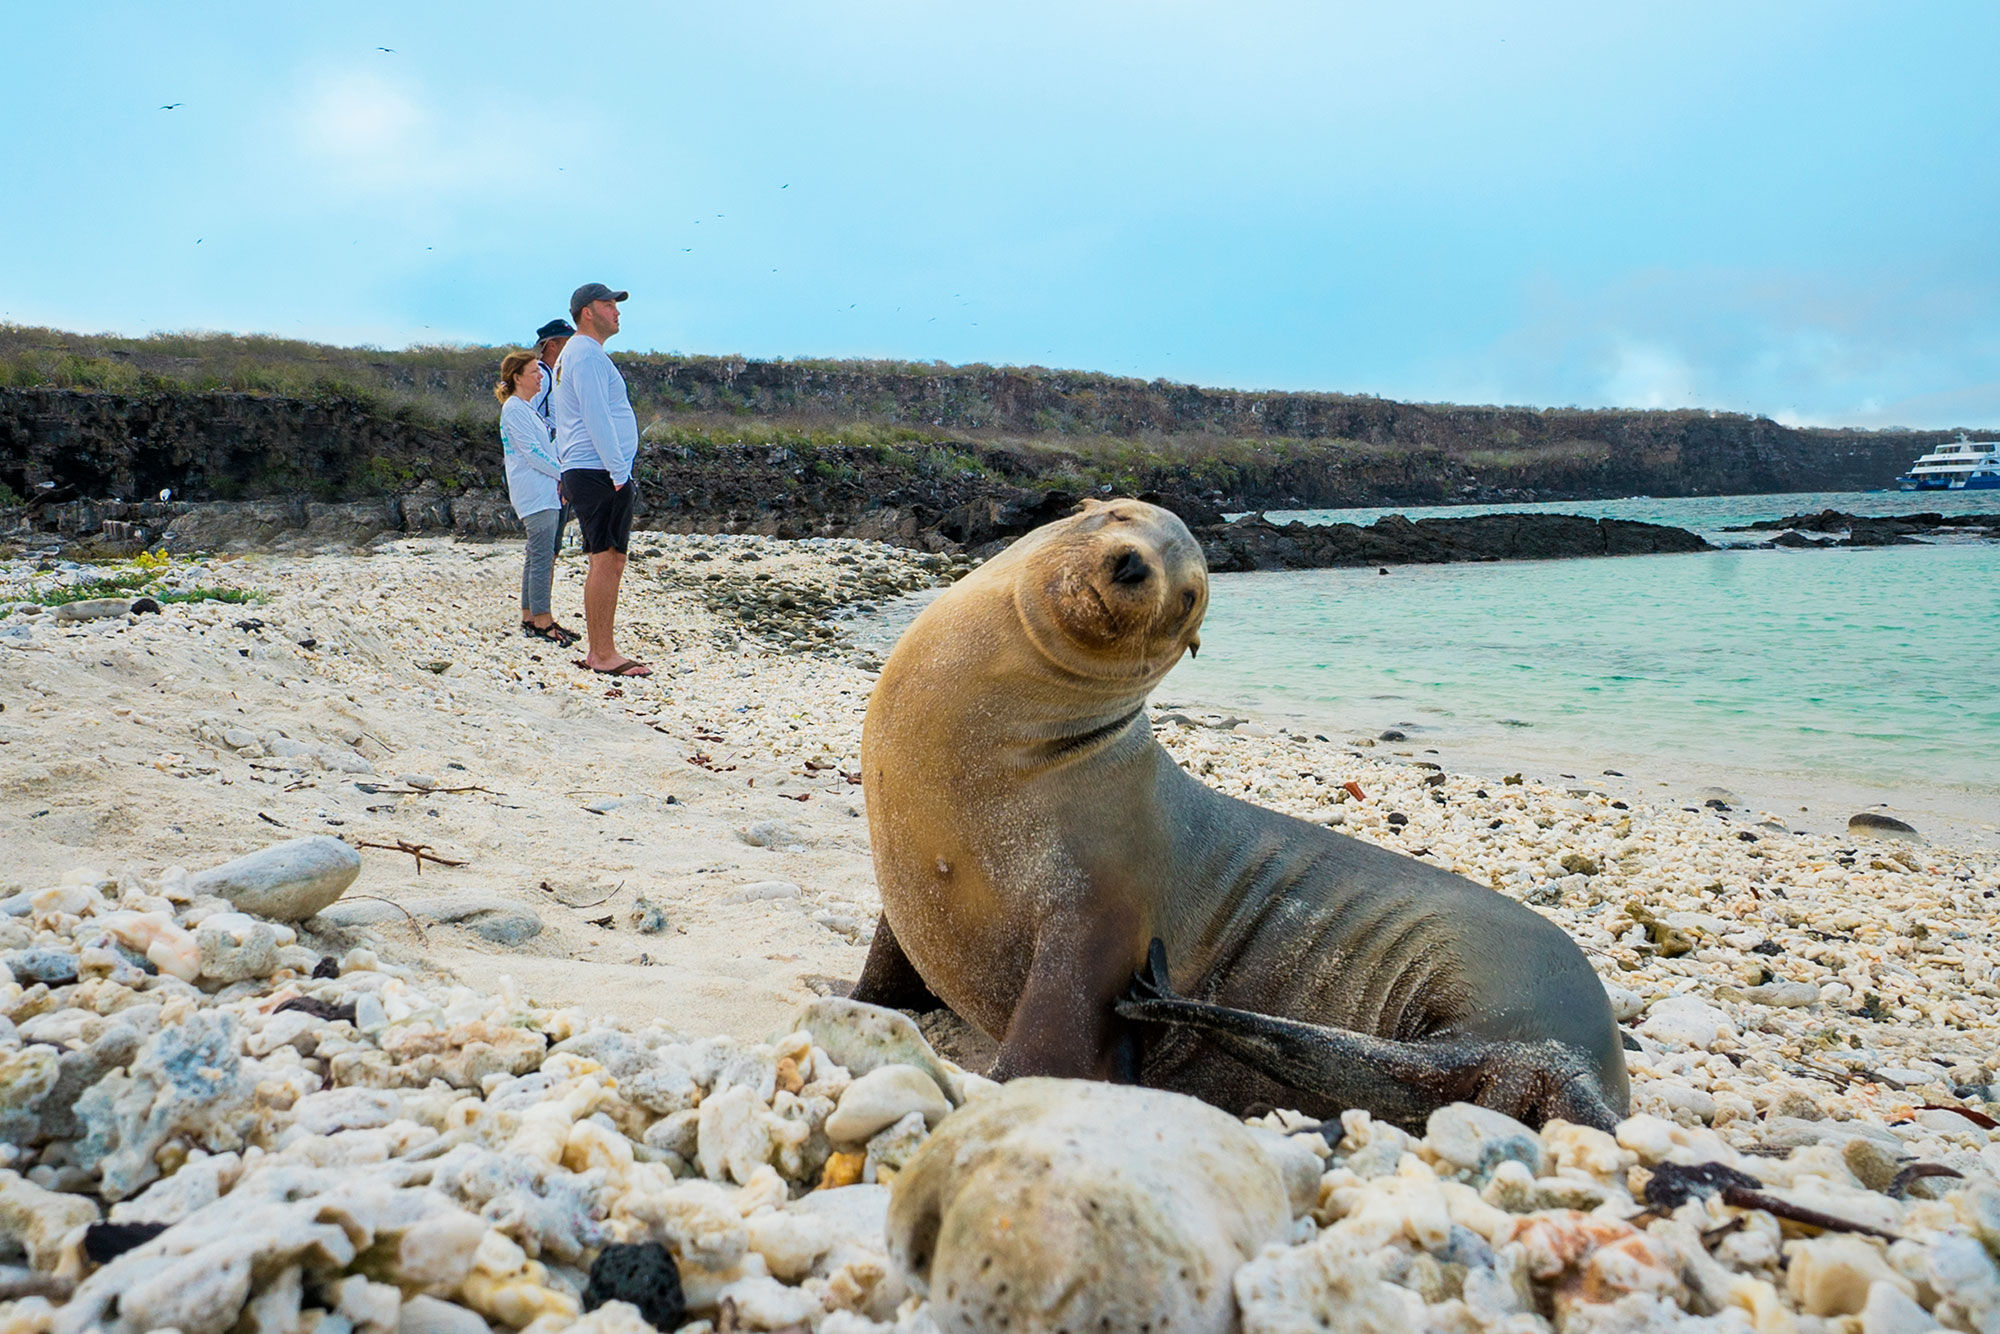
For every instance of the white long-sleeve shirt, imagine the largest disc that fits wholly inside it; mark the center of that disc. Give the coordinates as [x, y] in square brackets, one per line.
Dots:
[532, 472]
[595, 427]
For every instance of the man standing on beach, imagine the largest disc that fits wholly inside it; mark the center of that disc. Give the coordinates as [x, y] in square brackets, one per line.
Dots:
[550, 340]
[597, 443]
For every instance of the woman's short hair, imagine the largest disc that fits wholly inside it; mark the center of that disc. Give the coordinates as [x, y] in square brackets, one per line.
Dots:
[510, 366]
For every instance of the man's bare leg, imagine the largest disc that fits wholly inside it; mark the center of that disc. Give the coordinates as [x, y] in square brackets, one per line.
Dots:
[600, 612]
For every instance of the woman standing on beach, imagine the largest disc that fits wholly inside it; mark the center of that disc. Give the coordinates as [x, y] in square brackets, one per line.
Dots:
[531, 484]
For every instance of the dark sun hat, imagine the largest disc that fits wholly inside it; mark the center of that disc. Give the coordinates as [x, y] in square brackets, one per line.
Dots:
[554, 329]
[590, 292]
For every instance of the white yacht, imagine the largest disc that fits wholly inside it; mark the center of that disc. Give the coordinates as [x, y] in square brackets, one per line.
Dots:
[1962, 465]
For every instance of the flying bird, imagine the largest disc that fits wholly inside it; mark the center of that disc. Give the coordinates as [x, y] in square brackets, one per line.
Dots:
[171, 105]
[390, 49]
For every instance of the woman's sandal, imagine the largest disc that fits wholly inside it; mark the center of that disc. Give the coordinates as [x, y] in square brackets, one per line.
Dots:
[559, 635]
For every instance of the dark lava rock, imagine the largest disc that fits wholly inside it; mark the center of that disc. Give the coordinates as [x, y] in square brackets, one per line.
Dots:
[1882, 826]
[145, 607]
[1253, 542]
[105, 1242]
[328, 966]
[644, 1275]
[318, 1009]
[1392, 735]
[1673, 1185]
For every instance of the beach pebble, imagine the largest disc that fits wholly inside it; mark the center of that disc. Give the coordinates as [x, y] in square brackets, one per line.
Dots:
[1783, 995]
[1144, 1203]
[863, 1037]
[491, 916]
[236, 946]
[1686, 1021]
[883, 1097]
[765, 891]
[41, 964]
[1626, 1004]
[1475, 1140]
[287, 882]
[93, 609]
[1329, 1284]
[771, 834]
[1873, 824]
[38, 1220]
[430, 1315]
[1891, 1310]
[1676, 1101]
[1831, 1275]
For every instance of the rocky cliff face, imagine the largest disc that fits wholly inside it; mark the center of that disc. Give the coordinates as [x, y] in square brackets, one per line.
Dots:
[1282, 450]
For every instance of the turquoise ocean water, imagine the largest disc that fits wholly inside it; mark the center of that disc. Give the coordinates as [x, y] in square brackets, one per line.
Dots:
[1848, 677]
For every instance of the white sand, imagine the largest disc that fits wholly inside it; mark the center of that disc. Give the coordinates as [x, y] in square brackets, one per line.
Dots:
[115, 749]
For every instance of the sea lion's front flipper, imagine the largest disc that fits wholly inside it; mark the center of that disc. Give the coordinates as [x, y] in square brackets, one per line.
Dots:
[1399, 1081]
[888, 977]
[1064, 1024]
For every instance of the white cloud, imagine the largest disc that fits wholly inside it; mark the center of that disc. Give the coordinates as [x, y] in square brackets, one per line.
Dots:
[365, 131]
[1647, 375]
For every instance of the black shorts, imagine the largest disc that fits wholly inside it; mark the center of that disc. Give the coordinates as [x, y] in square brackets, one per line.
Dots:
[603, 512]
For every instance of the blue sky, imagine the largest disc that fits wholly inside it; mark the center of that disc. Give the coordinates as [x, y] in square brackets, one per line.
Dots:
[1786, 208]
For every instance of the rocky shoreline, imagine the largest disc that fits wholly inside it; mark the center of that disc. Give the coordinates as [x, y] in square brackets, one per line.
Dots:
[1854, 530]
[976, 529]
[604, 1012]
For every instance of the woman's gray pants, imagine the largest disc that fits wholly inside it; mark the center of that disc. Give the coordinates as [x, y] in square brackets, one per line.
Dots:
[538, 571]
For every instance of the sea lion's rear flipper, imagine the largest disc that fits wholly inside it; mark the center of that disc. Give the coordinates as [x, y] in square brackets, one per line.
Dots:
[1399, 1081]
[888, 978]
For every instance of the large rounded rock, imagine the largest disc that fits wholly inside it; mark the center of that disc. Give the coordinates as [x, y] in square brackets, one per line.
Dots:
[1058, 1204]
[288, 882]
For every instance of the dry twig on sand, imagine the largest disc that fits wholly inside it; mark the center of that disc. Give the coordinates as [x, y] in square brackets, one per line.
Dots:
[421, 851]
[594, 903]
[417, 926]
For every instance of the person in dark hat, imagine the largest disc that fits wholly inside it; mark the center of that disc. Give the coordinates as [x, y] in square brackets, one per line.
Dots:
[549, 341]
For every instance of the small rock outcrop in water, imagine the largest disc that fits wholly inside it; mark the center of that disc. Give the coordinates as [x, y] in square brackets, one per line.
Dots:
[1854, 530]
[1255, 543]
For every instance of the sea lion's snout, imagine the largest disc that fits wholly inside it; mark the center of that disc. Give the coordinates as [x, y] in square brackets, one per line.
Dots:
[1125, 584]
[1129, 567]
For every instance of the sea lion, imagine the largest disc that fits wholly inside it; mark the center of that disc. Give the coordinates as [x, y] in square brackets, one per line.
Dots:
[1043, 861]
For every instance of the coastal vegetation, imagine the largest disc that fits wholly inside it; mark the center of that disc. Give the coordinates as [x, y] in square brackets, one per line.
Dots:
[330, 422]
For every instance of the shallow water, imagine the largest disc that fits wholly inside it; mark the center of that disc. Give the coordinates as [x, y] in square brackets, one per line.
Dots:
[1830, 680]
[1776, 672]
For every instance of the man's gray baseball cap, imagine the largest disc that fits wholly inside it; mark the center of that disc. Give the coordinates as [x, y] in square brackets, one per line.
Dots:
[590, 292]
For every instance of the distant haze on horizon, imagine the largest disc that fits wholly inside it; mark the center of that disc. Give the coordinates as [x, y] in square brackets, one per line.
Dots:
[1784, 209]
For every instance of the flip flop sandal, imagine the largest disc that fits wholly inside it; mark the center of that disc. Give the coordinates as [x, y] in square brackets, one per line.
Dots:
[553, 634]
[633, 668]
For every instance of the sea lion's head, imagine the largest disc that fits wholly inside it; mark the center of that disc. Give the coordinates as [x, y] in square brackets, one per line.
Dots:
[1115, 591]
